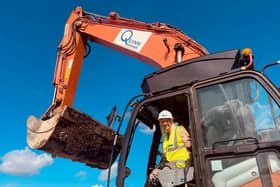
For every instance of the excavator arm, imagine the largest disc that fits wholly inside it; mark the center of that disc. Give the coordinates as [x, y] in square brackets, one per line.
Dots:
[66, 132]
[157, 44]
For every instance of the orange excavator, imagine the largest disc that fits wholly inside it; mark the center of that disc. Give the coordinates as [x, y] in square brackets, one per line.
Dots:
[157, 44]
[218, 97]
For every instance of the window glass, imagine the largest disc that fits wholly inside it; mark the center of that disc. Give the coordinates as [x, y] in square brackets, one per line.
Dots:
[246, 171]
[238, 111]
[274, 168]
[235, 172]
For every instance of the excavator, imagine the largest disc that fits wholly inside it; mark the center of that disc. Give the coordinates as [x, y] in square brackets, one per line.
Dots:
[231, 110]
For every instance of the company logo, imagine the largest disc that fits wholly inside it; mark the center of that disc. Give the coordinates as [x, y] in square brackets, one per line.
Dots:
[132, 39]
[127, 38]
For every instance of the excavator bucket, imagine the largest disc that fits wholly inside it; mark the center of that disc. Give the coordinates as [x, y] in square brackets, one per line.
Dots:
[76, 136]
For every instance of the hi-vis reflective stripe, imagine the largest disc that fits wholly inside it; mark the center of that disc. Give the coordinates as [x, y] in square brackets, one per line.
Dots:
[175, 148]
[182, 161]
[175, 142]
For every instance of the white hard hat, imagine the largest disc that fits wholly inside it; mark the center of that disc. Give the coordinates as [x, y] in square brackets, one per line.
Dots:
[165, 114]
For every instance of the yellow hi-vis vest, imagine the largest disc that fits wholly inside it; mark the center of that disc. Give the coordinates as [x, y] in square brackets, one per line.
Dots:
[174, 149]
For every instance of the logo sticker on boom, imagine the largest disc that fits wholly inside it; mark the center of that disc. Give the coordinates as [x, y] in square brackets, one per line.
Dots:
[132, 39]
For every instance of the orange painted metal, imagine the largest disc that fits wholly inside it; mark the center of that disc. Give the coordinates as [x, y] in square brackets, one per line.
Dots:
[156, 48]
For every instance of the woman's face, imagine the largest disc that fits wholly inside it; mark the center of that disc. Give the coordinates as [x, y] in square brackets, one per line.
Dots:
[165, 124]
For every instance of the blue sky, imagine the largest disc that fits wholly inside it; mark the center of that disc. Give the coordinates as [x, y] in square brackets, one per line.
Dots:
[30, 32]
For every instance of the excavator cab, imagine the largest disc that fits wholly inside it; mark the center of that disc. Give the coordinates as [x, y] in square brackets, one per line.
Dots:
[239, 130]
[232, 115]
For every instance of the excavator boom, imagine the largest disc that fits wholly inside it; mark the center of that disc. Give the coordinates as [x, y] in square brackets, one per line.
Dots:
[157, 44]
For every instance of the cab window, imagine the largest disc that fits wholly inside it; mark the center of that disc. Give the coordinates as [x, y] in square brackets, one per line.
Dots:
[237, 111]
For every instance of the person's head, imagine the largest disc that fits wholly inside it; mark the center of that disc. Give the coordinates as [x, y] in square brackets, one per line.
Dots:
[165, 120]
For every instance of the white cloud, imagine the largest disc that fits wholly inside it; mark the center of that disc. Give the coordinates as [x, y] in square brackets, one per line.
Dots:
[97, 185]
[104, 173]
[146, 130]
[81, 174]
[9, 185]
[24, 162]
